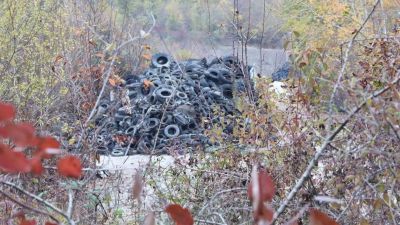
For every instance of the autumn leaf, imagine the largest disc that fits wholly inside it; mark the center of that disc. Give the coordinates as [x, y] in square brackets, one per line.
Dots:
[58, 58]
[13, 162]
[112, 82]
[50, 223]
[266, 187]
[7, 112]
[48, 146]
[137, 186]
[22, 134]
[319, 218]
[115, 80]
[36, 166]
[147, 84]
[147, 56]
[146, 47]
[24, 221]
[263, 213]
[70, 166]
[179, 215]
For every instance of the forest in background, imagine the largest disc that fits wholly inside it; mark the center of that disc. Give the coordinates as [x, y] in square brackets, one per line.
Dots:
[325, 151]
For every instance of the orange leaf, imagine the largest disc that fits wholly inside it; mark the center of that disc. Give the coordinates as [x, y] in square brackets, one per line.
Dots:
[147, 84]
[70, 166]
[319, 218]
[13, 162]
[112, 82]
[180, 215]
[7, 112]
[147, 56]
[266, 187]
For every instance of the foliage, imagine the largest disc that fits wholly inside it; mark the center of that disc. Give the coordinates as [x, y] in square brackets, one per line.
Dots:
[32, 35]
[22, 135]
[54, 61]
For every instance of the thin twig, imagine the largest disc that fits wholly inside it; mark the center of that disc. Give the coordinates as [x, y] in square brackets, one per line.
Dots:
[217, 194]
[326, 143]
[29, 207]
[70, 202]
[345, 61]
[39, 199]
[107, 75]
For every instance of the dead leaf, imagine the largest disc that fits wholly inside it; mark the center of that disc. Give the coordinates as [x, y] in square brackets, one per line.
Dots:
[58, 58]
[112, 82]
[137, 185]
[319, 218]
[180, 215]
[266, 186]
[147, 84]
[147, 56]
[146, 47]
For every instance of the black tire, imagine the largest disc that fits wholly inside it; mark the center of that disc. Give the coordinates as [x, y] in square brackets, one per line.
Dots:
[163, 93]
[117, 152]
[172, 131]
[160, 60]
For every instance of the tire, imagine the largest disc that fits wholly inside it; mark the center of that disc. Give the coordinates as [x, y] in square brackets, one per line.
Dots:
[163, 93]
[160, 60]
[117, 152]
[227, 91]
[172, 131]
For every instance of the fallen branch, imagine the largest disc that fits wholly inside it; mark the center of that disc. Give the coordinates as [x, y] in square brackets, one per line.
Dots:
[326, 143]
[42, 201]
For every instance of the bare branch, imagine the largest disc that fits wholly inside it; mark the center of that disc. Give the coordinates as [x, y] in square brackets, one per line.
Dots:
[28, 207]
[345, 60]
[326, 143]
[42, 201]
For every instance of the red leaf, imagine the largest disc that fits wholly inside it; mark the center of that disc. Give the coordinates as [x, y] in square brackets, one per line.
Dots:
[319, 218]
[22, 134]
[263, 213]
[50, 223]
[27, 222]
[7, 112]
[266, 187]
[70, 166]
[47, 145]
[37, 167]
[13, 162]
[24, 221]
[180, 215]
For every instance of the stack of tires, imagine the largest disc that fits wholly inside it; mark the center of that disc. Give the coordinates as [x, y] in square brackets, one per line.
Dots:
[168, 104]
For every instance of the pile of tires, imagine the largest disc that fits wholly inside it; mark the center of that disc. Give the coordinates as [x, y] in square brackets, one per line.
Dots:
[167, 105]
